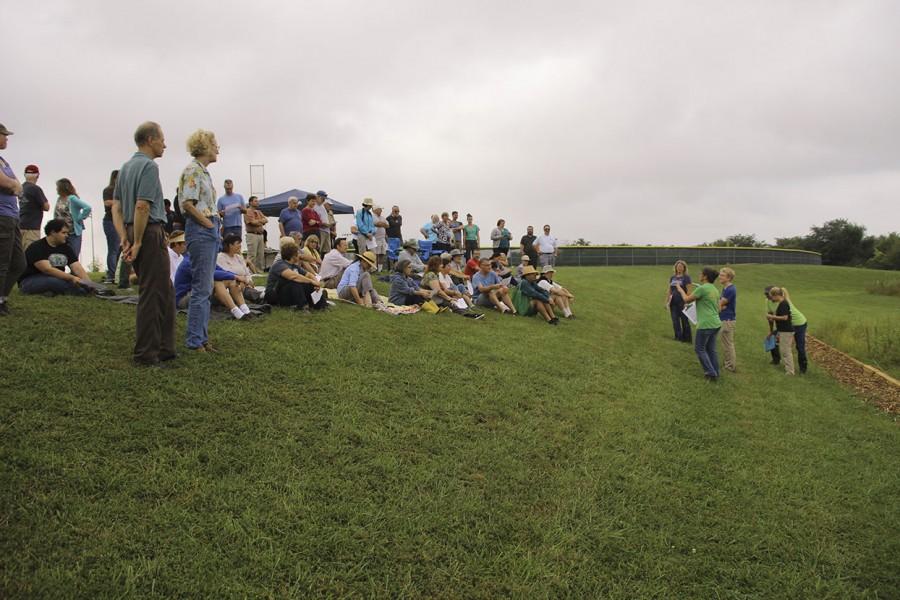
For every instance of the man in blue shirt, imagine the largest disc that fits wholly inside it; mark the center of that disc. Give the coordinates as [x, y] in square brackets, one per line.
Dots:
[290, 221]
[365, 227]
[728, 316]
[231, 207]
[489, 290]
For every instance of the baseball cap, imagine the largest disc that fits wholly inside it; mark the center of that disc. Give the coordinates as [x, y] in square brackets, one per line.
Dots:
[32, 169]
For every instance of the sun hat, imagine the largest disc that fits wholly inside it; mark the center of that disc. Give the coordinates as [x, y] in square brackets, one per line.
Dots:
[32, 170]
[549, 269]
[529, 270]
[456, 252]
[446, 256]
[411, 243]
[176, 237]
[4, 130]
[367, 202]
[368, 256]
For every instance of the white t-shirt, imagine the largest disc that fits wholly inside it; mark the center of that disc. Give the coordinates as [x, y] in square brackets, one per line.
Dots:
[235, 264]
[323, 215]
[174, 260]
[546, 244]
[446, 281]
[333, 263]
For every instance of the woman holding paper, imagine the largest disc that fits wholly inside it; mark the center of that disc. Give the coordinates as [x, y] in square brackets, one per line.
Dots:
[675, 304]
[706, 299]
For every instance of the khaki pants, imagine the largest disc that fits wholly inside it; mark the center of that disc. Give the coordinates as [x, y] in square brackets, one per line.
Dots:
[785, 346]
[29, 236]
[324, 241]
[726, 336]
[256, 250]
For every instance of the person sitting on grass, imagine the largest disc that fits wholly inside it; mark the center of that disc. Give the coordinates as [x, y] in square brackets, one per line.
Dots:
[489, 290]
[177, 248]
[226, 289]
[431, 282]
[334, 263]
[728, 316]
[538, 298]
[500, 265]
[404, 289]
[523, 262]
[473, 263]
[356, 283]
[706, 297]
[231, 259]
[560, 297]
[309, 254]
[453, 289]
[785, 327]
[410, 252]
[289, 284]
[46, 261]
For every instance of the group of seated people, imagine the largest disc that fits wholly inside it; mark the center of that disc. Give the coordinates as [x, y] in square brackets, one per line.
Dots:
[300, 275]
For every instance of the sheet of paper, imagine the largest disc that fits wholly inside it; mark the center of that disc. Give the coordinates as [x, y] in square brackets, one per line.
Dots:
[316, 296]
[505, 281]
[371, 244]
[690, 311]
[469, 288]
[460, 303]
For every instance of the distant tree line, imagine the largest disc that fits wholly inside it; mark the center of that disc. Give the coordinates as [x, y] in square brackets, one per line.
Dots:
[839, 241]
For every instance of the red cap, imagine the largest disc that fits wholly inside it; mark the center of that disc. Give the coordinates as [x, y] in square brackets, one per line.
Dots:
[32, 169]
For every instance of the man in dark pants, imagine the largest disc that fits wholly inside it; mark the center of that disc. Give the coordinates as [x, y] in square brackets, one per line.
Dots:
[140, 216]
[12, 256]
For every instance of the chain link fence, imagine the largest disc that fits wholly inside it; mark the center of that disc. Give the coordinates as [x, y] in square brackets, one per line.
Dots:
[609, 256]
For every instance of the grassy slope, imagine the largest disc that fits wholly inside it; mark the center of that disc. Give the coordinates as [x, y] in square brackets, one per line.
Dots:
[435, 456]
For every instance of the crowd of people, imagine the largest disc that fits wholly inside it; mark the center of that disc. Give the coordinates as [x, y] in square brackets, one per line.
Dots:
[716, 313]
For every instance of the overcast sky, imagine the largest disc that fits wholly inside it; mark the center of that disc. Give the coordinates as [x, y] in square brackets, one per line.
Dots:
[642, 122]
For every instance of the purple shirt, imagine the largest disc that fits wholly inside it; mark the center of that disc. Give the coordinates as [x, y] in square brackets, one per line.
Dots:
[9, 204]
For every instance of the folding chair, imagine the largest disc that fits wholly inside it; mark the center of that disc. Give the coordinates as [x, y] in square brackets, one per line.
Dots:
[393, 251]
[424, 250]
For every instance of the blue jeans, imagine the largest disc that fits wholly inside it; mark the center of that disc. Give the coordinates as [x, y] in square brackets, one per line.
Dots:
[705, 347]
[800, 342]
[203, 247]
[112, 248]
[40, 283]
[74, 242]
[680, 323]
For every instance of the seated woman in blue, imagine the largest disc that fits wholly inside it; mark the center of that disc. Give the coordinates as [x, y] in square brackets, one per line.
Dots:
[404, 289]
[539, 298]
[675, 304]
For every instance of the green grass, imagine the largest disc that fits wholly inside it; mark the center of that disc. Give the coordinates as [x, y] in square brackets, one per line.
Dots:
[884, 288]
[353, 454]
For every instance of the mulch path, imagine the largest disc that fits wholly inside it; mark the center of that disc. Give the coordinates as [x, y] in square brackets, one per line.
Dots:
[878, 388]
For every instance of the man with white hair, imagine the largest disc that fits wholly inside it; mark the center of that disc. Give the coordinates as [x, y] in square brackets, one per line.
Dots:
[289, 221]
[380, 239]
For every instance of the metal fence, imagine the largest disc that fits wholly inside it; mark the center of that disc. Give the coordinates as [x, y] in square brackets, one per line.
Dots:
[607, 256]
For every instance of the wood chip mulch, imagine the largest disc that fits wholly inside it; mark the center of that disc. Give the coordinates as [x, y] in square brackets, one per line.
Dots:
[878, 388]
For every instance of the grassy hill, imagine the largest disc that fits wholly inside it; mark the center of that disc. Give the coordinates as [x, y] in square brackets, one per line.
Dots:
[357, 454]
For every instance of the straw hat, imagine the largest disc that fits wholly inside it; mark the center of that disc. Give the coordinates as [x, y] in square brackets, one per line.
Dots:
[529, 270]
[368, 256]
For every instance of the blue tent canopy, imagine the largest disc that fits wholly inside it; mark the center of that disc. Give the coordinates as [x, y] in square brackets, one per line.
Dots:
[273, 205]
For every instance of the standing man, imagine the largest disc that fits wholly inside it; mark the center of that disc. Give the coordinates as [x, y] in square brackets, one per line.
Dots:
[324, 222]
[548, 247]
[12, 257]
[365, 227]
[456, 227]
[526, 246]
[289, 220]
[140, 217]
[231, 206]
[256, 221]
[380, 239]
[32, 207]
[395, 222]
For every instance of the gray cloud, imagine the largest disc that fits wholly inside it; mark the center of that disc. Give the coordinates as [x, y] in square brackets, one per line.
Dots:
[656, 122]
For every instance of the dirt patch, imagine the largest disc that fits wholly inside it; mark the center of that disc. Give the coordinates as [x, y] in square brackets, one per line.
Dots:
[877, 387]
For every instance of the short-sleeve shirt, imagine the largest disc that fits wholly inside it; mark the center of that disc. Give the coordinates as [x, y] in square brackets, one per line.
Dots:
[394, 224]
[442, 233]
[547, 244]
[9, 206]
[707, 300]
[471, 232]
[196, 187]
[430, 233]
[427, 278]
[486, 280]
[59, 257]
[797, 317]
[729, 312]
[139, 179]
[527, 242]
[31, 206]
[456, 227]
[290, 220]
[231, 205]
[784, 309]
[323, 216]
[275, 272]
[674, 280]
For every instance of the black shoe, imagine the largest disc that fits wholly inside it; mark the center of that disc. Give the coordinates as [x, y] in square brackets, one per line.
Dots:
[4, 309]
[553, 321]
[711, 378]
[167, 357]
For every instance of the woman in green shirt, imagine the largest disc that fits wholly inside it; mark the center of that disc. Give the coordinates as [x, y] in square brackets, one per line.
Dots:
[706, 297]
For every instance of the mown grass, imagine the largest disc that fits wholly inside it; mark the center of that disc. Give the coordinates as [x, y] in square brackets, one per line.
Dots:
[354, 454]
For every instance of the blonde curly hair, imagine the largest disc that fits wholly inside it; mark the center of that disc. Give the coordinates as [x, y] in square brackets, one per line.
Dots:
[201, 142]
